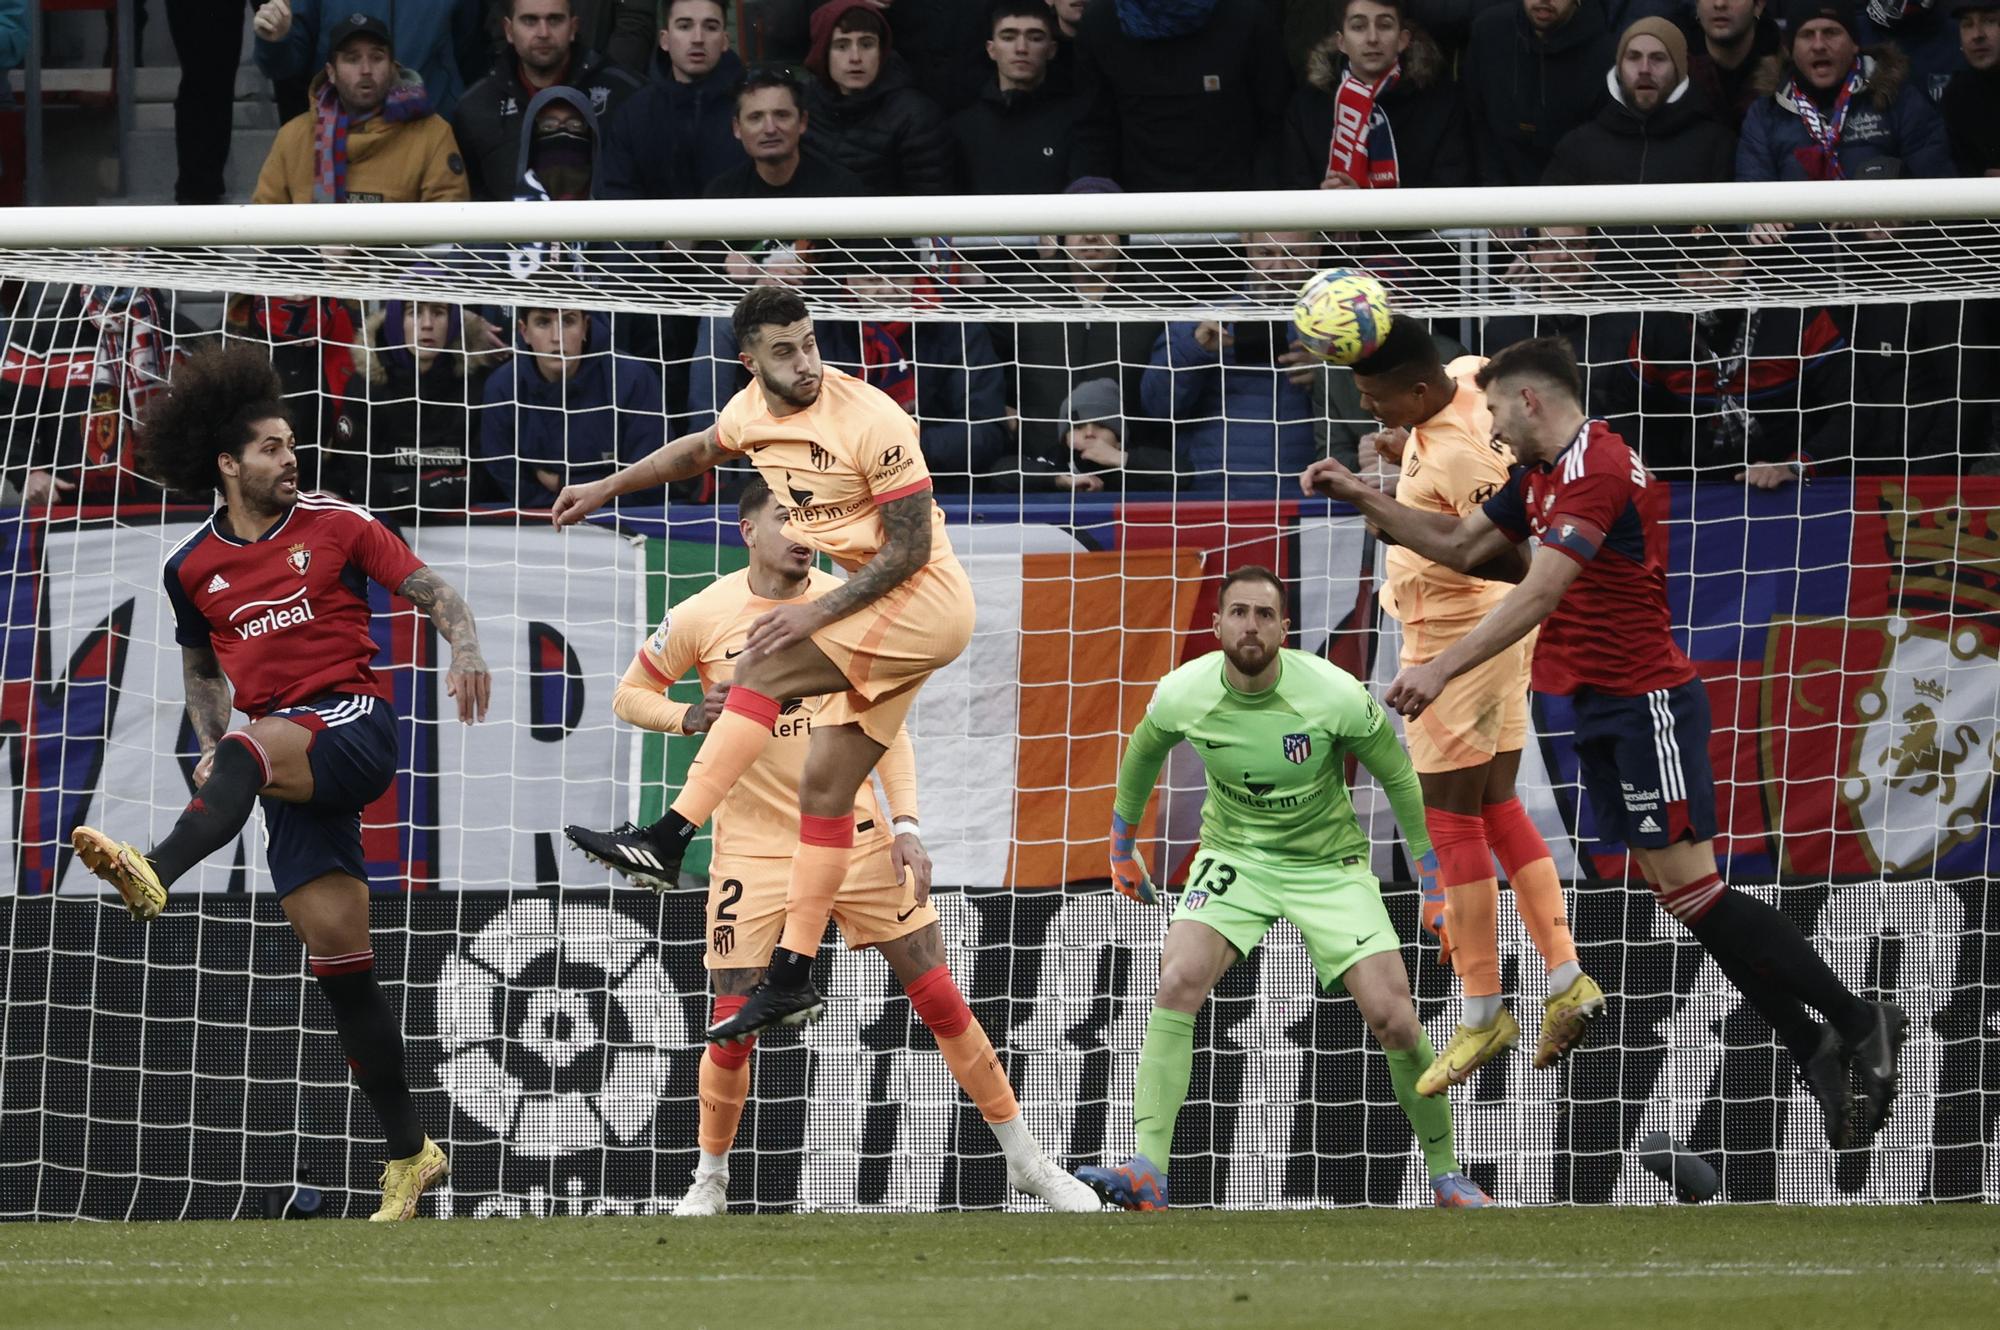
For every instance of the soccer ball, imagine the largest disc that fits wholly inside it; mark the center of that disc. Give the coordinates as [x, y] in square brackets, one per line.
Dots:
[1342, 315]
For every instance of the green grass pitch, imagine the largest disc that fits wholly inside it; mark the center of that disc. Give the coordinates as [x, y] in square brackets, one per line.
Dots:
[1686, 1268]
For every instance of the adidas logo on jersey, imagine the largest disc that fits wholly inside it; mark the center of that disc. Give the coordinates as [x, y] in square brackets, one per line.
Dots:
[217, 583]
[1648, 824]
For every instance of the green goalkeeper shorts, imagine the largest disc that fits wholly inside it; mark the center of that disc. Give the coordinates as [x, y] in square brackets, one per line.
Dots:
[1337, 908]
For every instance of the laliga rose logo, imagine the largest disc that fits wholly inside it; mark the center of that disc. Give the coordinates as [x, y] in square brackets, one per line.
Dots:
[556, 1025]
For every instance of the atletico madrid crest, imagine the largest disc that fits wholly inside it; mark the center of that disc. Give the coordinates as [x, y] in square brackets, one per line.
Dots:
[299, 557]
[1298, 747]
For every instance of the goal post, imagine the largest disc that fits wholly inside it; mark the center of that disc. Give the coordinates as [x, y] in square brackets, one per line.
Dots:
[1843, 610]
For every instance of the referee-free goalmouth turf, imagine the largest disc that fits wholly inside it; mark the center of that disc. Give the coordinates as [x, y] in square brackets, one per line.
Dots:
[1678, 1267]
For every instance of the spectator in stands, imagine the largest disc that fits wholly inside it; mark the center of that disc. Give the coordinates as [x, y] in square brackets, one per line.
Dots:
[673, 138]
[409, 425]
[1091, 431]
[944, 373]
[1062, 68]
[1018, 137]
[1972, 103]
[1182, 95]
[311, 341]
[623, 30]
[440, 38]
[1384, 75]
[1737, 36]
[1906, 412]
[1832, 108]
[864, 112]
[1243, 423]
[541, 52]
[1923, 30]
[556, 154]
[371, 135]
[1051, 359]
[769, 122]
[940, 42]
[1562, 266]
[1653, 132]
[1532, 74]
[565, 409]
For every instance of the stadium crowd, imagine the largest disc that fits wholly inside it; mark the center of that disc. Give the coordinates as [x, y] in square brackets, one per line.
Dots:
[423, 405]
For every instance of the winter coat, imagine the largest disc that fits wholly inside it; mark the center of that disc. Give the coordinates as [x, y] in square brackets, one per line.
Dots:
[1196, 112]
[1051, 359]
[1906, 396]
[1971, 110]
[1927, 37]
[1523, 92]
[888, 134]
[670, 140]
[521, 166]
[1242, 428]
[407, 433]
[944, 43]
[583, 426]
[1728, 93]
[388, 161]
[1425, 116]
[436, 38]
[960, 402]
[1887, 118]
[1019, 142]
[488, 120]
[1678, 144]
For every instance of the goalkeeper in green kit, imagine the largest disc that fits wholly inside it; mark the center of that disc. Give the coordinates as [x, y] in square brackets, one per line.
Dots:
[1279, 839]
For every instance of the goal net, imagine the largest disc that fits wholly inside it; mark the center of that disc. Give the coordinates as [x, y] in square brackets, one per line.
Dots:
[1106, 394]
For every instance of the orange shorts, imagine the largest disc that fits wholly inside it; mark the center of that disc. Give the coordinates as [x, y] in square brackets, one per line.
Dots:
[746, 906]
[1482, 712]
[888, 649]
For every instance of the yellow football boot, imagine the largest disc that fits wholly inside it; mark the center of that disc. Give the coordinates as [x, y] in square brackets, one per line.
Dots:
[404, 1180]
[1566, 1018]
[1468, 1051]
[124, 868]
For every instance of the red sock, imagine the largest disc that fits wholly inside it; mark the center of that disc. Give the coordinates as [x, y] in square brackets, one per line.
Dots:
[724, 1083]
[1471, 898]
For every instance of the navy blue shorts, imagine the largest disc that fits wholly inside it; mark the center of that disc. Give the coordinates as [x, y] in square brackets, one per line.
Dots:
[353, 757]
[1644, 762]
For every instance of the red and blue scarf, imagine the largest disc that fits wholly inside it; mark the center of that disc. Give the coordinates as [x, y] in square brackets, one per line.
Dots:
[407, 101]
[1822, 159]
[1364, 147]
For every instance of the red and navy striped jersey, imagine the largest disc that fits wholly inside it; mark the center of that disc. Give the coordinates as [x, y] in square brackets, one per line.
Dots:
[1596, 504]
[287, 613]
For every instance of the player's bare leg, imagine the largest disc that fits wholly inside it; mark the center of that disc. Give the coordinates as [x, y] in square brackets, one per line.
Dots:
[330, 915]
[265, 757]
[1776, 968]
[651, 856]
[838, 759]
[1192, 961]
[1380, 987]
[724, 1088]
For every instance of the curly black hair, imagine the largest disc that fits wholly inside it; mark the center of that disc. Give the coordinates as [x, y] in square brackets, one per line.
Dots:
[211, 401]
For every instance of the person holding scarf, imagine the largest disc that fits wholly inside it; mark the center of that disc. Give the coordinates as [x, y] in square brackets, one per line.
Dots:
[1376, 111]
[369, 135]
[1833, 107]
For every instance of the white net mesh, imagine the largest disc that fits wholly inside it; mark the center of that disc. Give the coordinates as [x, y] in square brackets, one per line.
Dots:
[1843, 622]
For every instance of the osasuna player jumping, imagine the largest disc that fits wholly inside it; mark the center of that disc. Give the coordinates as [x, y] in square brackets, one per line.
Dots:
[1597, 584]
[270, 600]
[845, 460]
[883, 901]
[1279, 840]
[1467, 748]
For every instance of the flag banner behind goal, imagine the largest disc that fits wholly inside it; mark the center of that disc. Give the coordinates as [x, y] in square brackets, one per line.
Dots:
[187, 1070]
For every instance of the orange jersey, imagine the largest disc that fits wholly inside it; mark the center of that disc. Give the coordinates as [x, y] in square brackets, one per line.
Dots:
[759, 818]
[835, 464]
[1451, 464]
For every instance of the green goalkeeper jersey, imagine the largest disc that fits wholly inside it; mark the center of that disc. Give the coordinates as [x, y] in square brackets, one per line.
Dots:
[1277, 784]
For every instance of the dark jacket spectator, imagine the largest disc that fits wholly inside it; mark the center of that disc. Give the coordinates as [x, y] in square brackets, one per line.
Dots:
[1886, 118]
[1530, 78]
[487, 121]
[945, 374]
[1053, 359]
[1424, 117]
[942, 42]
[1971, 104]
[1182, 95]
[1905, 409]
[408, 425]
[626, 31]
[1094, 448]
[1736, 38]
[863, 112]
[311, 340]
[1242, 428]
[1654, 132]
[1020, 135]
[557, 155]
[1925, 31]
[671, 140]
[565, 409]
[437, 39]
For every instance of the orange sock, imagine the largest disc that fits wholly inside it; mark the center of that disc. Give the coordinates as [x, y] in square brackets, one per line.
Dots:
[734, 743]
[1471, 898]
[1531, 872]
[724, 1084]
[967, 1050]
[826, 850]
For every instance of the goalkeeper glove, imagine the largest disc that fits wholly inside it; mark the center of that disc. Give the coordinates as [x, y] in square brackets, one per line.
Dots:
[1433, 903]
[1128, 866]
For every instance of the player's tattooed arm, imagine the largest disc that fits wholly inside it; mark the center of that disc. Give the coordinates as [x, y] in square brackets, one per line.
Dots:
[906, 547]
[468, 680]
[207, 696]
